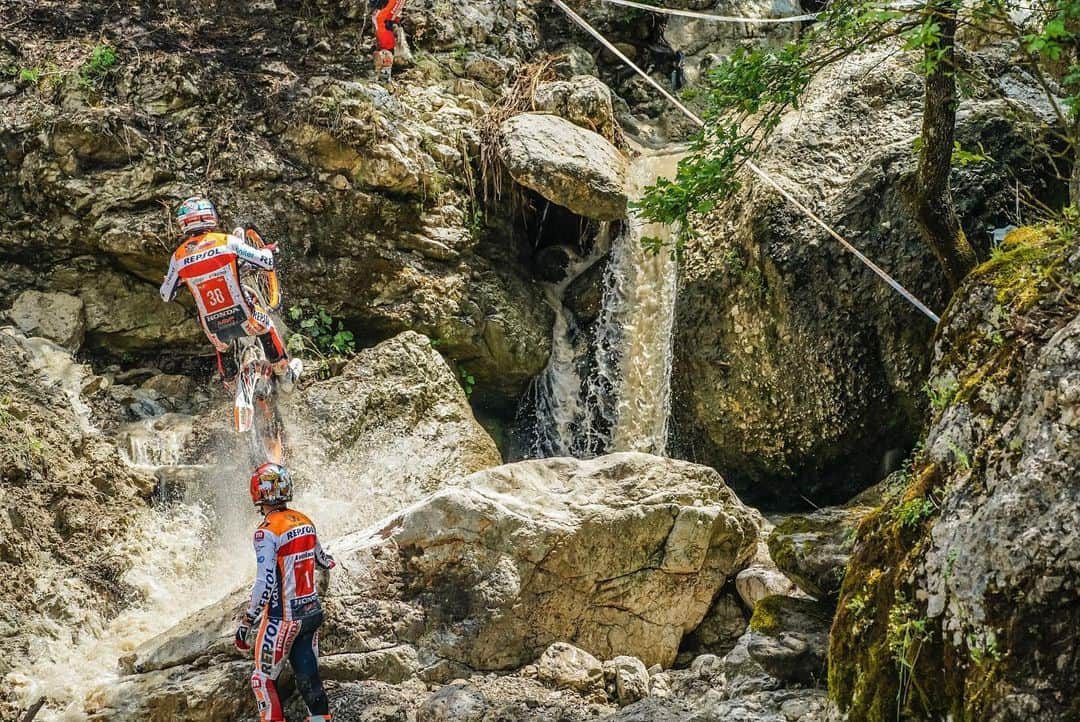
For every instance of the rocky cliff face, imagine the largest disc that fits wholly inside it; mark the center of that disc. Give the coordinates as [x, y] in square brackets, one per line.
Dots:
[372, 196]
[960, 597]
[797, 369]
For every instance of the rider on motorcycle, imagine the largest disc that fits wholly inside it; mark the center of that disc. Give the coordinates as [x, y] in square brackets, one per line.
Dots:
[209, 262]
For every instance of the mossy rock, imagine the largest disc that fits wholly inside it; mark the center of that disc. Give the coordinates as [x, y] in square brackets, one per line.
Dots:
[788, 637]
[812, 550]
[1008, 339]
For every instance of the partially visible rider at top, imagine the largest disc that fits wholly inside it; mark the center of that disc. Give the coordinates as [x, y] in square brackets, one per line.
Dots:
[208, 261]
[386, 15]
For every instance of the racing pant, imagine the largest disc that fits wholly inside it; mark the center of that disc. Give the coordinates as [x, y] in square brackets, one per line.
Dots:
[258, 324]
[295, 640]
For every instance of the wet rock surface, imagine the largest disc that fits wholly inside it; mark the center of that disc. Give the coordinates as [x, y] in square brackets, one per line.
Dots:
[973, 557]
[789, 637]
[813, 549]
[797, 371]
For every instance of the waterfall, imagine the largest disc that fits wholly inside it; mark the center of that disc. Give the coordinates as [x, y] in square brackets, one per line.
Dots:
[156, 441]
[614, 394]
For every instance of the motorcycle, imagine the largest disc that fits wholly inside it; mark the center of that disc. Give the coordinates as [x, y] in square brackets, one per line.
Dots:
[255, 409]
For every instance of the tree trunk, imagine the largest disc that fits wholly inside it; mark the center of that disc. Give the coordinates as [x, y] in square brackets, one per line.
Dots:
[1074, 176]
[934, 207]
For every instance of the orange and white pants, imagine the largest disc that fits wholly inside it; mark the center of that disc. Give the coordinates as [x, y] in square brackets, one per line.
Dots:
[295, 641]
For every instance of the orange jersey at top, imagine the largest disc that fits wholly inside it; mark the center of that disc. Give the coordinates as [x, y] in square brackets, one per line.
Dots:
[384, 18]
[207, 263]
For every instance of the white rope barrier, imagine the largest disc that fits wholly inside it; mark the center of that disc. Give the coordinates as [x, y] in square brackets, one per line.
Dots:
[892, 282]
[709, 16]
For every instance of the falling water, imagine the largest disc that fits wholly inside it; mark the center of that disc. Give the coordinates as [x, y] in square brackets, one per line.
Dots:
[194, 546]
[615, 393]
[156, 441]
[557, 391]
[177, 563]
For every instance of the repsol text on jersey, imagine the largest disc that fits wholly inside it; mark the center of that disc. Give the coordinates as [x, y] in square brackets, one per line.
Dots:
[202, 256]
[299, 531]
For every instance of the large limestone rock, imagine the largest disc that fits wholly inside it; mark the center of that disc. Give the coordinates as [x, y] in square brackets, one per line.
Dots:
[617, 555]
[566, 164]
[797, 371]
[395, 420]
[975, 559]
[55, 316]
[558, 541]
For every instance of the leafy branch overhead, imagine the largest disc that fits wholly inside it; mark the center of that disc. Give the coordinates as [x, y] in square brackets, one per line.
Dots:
[745, 96]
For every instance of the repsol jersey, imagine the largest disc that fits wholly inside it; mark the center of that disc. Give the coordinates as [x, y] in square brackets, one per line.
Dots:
[287, 550]
[207, 263]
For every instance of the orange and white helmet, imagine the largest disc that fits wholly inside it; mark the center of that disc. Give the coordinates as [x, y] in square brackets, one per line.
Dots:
[271, 484]
[196, 214]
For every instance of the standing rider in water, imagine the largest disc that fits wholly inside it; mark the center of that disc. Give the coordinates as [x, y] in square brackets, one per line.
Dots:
[284, 596]
[208, 262]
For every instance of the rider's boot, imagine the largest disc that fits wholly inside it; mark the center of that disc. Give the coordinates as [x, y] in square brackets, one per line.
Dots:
[286, 379]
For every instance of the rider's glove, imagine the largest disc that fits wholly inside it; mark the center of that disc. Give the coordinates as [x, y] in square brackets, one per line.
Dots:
[272, 247]
[240, 640]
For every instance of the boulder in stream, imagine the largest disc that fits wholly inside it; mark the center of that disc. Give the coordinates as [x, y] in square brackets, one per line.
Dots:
[566, 164]
[622, 554]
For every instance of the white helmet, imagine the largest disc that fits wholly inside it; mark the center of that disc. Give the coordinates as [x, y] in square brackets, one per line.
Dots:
[196, 214]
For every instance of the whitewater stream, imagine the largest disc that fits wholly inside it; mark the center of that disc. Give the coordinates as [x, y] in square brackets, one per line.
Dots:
[192, 547]
[189, 549]
[612, 392]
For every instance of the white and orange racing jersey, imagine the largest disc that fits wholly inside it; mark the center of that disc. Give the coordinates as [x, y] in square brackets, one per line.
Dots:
[287, 550]
[208, 264]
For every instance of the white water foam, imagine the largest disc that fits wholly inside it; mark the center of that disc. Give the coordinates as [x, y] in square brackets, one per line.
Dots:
[156, 441]
[623, 402]
[174, 575]
[181, 557]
